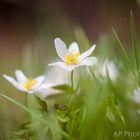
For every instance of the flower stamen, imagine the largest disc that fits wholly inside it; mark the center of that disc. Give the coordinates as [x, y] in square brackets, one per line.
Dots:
[72, 58]
[29, 83]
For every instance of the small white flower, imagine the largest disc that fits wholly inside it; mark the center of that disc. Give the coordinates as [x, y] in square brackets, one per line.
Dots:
[25, 84]
[71, 57]
[112, 70]
[57, 77]
[108, 66]
[136, 95]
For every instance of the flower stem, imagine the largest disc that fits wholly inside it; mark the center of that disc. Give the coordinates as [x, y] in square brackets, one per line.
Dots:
[26, 99]
[72, 72]
[72, 96]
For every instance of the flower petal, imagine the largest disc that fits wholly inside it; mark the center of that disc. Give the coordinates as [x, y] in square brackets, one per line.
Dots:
[61, 48]
[112, 70]
[44, 86]
[64, 66]
[39, 80]
[20, 76]
[50, 92]
[30, 91]
[13, 82]
[136, 95]
[73, 47]
[88, 61]
[86, 53]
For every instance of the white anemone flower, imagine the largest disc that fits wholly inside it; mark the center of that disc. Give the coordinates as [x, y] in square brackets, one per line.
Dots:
[136, 95]
[71, 57]
[107, 66]
[25, 84]
[57, 77]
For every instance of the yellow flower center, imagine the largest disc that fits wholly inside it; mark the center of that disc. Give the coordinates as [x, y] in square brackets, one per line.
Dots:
[72, 58]
[29, 83]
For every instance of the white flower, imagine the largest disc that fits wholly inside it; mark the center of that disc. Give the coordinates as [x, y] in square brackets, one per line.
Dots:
[25, 84]
[71, 57]
[57, 77]
[108, 66]
[136, 95]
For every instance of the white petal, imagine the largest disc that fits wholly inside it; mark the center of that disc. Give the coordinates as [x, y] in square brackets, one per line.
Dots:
[39, 80]
[110, 67]
[86, 53]
[20, 76]
[136, 95]
[88, 61]
[13, 82]
[44, 86]
[30, 91]
[73, 47]
[60, 73]
[61, 48]
[49, 91]
[64, 66]
[113, 73]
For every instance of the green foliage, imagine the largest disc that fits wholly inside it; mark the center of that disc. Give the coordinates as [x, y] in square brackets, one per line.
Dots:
[24, 132]
[97, 109]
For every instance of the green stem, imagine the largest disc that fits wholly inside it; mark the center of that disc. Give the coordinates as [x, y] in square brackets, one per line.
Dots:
[71, 99]
[72, 84]
[72, 72]
[26, 99]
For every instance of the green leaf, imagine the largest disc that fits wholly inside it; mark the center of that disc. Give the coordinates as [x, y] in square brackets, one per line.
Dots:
[62, 117]
[42, 103]
[24, 132]
[61, 107]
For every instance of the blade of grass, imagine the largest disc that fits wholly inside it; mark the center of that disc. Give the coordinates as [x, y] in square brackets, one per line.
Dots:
[133, 34]
[113, 104]
[122, 48]
[125, 54]
[23, 107]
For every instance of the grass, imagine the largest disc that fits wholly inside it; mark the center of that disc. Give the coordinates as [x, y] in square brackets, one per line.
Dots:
[99, 108]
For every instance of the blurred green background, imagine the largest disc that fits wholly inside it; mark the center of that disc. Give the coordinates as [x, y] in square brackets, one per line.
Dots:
[27, 31]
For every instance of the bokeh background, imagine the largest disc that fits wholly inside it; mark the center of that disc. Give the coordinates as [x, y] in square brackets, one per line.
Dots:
[27, 31]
